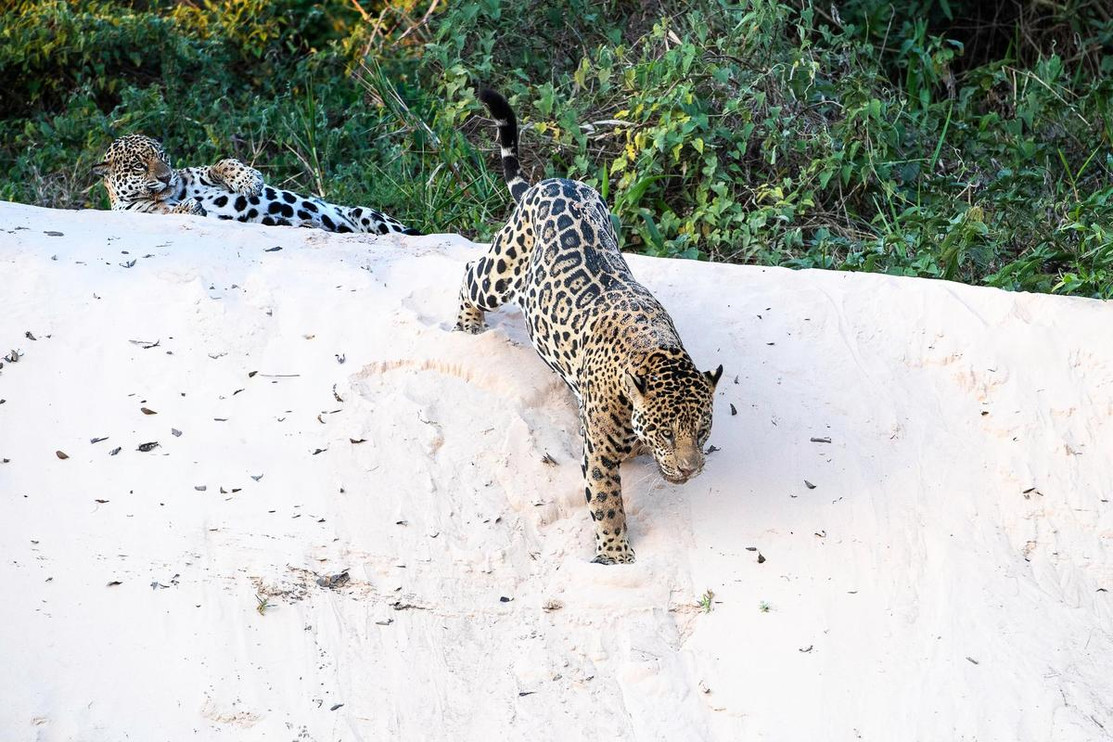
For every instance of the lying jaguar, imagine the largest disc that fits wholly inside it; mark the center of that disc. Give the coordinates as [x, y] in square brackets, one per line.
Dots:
[611, 341]
[139, 177]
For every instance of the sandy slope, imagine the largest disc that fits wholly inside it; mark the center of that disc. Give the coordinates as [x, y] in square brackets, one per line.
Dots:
[949, 577]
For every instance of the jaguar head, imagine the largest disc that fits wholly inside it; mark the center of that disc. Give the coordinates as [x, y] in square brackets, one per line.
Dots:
[672, 402]
[137, 168]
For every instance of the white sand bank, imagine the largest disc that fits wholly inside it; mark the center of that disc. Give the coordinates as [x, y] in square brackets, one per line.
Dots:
[949, 577]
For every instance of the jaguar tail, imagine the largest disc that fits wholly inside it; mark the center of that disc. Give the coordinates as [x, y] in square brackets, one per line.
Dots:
[508, 141]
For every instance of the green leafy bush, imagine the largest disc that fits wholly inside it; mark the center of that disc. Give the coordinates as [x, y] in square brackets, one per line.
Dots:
[892, 138]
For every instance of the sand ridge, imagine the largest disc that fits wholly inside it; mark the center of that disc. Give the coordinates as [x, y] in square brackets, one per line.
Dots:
[943, 573]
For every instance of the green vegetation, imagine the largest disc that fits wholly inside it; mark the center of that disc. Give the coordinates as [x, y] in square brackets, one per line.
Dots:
[912, 137]
[706, 601]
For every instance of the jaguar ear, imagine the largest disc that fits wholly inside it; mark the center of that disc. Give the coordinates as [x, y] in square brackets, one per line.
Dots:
[635, 384]
[714, 376]
[100, 169]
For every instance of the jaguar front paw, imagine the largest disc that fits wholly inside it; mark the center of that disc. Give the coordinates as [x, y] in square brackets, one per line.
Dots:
[238, 177]
[189, 206]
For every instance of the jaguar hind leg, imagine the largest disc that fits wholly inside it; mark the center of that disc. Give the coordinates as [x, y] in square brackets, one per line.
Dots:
[375, 221]
[493, 280]
[481, 291]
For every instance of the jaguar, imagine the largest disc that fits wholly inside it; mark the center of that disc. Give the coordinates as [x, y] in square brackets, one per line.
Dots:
[138, 175]
[610, 340]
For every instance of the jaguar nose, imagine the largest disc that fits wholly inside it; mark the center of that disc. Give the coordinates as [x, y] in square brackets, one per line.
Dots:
[685, 471]
[164, 178]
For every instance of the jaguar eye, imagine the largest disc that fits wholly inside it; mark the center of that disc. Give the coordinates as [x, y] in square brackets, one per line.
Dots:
[667, 435]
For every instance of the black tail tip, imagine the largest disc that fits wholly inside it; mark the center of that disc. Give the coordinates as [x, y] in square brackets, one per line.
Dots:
[496, 104]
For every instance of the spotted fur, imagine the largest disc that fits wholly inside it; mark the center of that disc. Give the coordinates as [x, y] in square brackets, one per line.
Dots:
[139, 177]
[607, 337]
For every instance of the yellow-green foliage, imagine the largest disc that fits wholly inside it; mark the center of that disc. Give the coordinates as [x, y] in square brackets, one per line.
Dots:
[751, 132]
